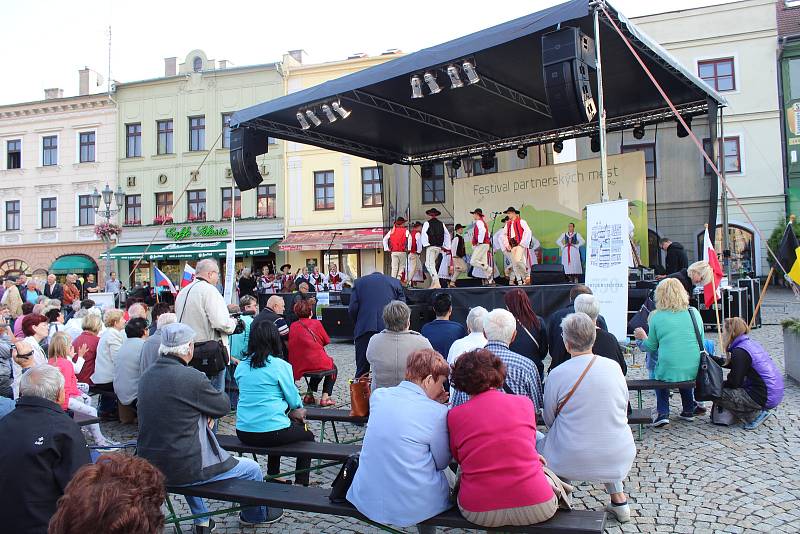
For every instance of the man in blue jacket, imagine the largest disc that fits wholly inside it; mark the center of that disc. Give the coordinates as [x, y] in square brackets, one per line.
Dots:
[370, 294]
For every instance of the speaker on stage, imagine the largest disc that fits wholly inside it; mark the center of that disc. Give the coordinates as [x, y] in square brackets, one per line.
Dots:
[421, 314]
[568, 55]
[246, 144]
[337, 322]
[547, 273]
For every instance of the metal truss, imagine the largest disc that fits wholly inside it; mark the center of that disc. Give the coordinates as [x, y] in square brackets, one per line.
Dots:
[512, 95]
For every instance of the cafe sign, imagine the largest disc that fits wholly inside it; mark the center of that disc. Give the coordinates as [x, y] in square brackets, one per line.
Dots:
[180, 234]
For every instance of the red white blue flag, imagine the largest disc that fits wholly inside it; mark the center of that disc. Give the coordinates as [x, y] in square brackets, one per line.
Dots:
[188, 275]
[163, 280]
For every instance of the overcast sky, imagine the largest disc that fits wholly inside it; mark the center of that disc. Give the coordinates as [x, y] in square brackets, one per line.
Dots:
[45, 42]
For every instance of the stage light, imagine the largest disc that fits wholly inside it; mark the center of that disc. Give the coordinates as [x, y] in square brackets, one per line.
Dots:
[455, 79]
[638, 131]
[313, 118]
[430, 79]
[522, 152]
[558, 146]
[487, 161]
[303, 122]
[326, 109]
[456, 163]
[337, 107]
[681, 130]
[469, 70]
[595, 143]
[416, 87]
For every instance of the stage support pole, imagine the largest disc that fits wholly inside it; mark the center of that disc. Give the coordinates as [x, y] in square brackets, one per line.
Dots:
[726, 258]
[761, 297]
[601, 110]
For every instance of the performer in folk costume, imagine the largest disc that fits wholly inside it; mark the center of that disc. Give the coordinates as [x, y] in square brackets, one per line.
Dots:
[267, 283]
[335, 279]
[497, 244]
[302, 276]
[397, 241]
[516, 240]
[457, 254]
[444, 270]
[316, 280]
[414, 272]
[480, 245]
[286, 279]
[434, 236]
[570, 243]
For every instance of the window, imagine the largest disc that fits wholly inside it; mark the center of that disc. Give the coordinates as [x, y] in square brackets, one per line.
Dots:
[163, 207]
[733, 157]
[226, 202]
[477, 168]
[197, 133]
[226, 130]
[197, 205]
[323, 190]
[14, 154]
[50, 150]
[265, 201]
[433, 186]
[133, 140]
[165, 131]
[371, 187]
[85, 210]
[742, 244]
[133, 210]
[718, 73]
[197, 64]
[87, 147]
[49, 214]
[649, 150]
[12, 214]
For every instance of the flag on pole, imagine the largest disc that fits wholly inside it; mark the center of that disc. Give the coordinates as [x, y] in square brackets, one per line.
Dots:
[788, 254]
[163, 280]
[710, 255]
[188, 275]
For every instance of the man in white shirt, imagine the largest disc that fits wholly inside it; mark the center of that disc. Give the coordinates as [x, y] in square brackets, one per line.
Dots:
[474, 340]
[435, 237]
[397, 242]
[414, 271]
[480, 246]
[516, 239]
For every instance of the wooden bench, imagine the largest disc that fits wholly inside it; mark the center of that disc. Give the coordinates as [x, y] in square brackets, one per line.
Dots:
[315, 500]
[332, 416]
[641, 416]
[83, 420]
[311, 449]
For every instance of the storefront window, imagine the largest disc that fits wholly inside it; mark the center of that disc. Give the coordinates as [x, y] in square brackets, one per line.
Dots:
[142, 273]
[348, 262]
[742, 245]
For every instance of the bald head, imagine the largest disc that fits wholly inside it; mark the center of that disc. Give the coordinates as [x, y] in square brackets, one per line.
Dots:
[206, 266]
[276, 304]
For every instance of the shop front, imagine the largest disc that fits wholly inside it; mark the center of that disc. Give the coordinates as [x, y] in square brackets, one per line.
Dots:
[356, 252]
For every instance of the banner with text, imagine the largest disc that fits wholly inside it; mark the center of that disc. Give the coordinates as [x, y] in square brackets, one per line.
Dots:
[551, 197]
[607, 253]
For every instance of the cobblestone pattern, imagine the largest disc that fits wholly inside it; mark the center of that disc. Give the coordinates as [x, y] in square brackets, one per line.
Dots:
[689, 477]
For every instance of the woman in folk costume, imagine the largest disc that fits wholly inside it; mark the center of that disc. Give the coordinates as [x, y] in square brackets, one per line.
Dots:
[570, 243]
[335, 279]
[397, 242]
[316, 280]
[516, 240]
[480, 246]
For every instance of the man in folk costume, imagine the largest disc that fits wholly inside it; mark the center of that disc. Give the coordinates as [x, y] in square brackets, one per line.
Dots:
[434, 236]
[414, 270]
[335, 279]
[397, 241]
[457, 254]
[480, 246]
[286, 279]
[516, 239]
[570, 243]
[316, 280]
[497, 244]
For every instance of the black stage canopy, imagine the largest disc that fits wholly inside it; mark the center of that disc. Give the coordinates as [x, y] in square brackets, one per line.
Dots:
[506, 109]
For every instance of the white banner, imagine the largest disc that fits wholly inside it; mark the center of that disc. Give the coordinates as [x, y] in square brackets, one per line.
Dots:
[607, 254]
[230, 274]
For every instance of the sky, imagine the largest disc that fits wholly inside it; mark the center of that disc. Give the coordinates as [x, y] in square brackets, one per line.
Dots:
[46, 42]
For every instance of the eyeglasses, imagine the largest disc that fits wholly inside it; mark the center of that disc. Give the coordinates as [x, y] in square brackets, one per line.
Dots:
[24, 355]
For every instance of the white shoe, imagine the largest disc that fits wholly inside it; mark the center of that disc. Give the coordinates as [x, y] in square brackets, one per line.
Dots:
[622, 513]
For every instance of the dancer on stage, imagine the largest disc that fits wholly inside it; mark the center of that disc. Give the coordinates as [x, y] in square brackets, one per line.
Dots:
[286, 279]
[516, 240]
[414, 270]
[457, 252]
[570, 243]
[434, 236]
[480, 246]
[497, 244]
[397, 241]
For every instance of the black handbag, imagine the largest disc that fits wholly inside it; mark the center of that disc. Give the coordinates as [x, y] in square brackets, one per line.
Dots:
[708, 384]
[344, 480]
[639, 320]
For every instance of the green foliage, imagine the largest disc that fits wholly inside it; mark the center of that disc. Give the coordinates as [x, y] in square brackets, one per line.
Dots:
[774, 240]
[791, 324]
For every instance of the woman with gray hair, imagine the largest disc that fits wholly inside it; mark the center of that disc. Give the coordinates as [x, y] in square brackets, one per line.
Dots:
[388, 351]
[605, 344]
[585, 408]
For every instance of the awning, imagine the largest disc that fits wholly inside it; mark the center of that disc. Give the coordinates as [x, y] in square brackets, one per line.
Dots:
[73, 263]
[192, 250]
[361, 238]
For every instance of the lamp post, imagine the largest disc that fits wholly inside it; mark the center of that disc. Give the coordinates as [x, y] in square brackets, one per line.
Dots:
[107, 196]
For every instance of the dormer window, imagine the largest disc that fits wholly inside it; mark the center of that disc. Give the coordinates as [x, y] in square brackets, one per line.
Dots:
[197, 64]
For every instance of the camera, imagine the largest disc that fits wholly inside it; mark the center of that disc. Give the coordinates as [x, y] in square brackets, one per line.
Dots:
[239, 323]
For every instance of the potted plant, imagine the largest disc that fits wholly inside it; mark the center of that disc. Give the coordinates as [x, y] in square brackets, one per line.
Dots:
[106, 231]
[791, 347]
[162, 219]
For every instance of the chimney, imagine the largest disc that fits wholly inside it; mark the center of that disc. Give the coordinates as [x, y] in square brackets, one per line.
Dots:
[222, 64]
[170, 66]
[52, 93]
[88, 81]
[298, 55]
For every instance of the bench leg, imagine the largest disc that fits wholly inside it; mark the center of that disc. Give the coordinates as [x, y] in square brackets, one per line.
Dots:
[172, 518]
[335, 434]
[639, 397]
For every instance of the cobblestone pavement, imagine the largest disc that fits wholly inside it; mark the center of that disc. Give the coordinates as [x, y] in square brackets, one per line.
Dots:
[689, 477]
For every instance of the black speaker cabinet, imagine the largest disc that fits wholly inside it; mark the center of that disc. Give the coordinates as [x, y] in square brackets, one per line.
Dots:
[568, 55]
[246, 144]
[753, 288]
[547, 273]
[337, 322]
[567, 44]
[421, 314]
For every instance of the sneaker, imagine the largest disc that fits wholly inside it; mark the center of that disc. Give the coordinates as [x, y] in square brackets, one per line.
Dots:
[758, 420]
[202, 529]
[621, 512]
[660, 420]
[700, 410]
[273, 514]
[687, 416]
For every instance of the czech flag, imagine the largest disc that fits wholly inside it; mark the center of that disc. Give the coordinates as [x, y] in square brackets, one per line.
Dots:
[163, 280]
[711, 290]
[188, 275]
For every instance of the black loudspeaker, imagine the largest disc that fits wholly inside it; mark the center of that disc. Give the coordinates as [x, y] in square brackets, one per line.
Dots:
[421, 314]
[547, 273]
[753, 287]
[567, 44]
[246, 144]
[337, 322]
[567, 57]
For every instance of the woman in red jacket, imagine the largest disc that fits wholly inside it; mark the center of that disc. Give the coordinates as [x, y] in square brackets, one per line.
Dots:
[307, 340]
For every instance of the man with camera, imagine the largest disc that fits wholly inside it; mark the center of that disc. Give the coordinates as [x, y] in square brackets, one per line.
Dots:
[202, 308]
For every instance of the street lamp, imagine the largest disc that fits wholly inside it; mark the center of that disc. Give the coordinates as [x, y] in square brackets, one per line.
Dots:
[108, 196]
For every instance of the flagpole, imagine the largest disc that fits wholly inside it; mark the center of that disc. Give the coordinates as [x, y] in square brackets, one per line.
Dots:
[716, 307]
[761, 297]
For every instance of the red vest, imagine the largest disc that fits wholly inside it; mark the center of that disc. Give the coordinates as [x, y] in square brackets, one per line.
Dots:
[414, 237]
[398, 242]
[518, 231]
[475, 233]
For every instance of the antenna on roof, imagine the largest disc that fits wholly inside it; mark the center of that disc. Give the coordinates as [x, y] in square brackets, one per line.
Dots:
[109, 60]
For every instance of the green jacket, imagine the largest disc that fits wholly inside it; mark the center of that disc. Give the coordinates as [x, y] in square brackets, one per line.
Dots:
[673, 336]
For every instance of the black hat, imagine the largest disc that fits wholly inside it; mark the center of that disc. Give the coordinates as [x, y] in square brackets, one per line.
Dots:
[400, 220]
[459, 226]
[433, 212]
[512, 209]
[289, 265]
[416, 224]
[478, 211]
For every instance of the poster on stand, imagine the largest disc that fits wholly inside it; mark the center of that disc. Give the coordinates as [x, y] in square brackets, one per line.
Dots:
[229, 292]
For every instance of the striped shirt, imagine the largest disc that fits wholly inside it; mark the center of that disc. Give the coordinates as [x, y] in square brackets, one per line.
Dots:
[522, 377]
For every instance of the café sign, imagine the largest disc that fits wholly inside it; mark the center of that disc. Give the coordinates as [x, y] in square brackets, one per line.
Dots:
[180, 234]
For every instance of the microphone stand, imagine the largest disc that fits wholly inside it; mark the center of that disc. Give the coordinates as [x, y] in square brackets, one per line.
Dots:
[330, 245]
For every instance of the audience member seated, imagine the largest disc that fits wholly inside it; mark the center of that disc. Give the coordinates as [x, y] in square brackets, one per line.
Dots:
[152, 343]
[493, 439]
[673, 335]
[266, 393]
[307, 341]
[586, 411]
[55, 320]
[388, 351]
[177, 406]
[273, 312]
[474, 340]
[6, 366]
[89, 338]
[74, 326]
[605, 344]
[755, 384]
[34, 326]
[118, 494]
[137, 309]
[442, 332]
[107, 350]
[531, 338]
[522, 378]
[27, 309]
[24, 357]
[158, 310]
[558, 353]
[41, 450]
[248, 308]
[128, 365]
[406, 448]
